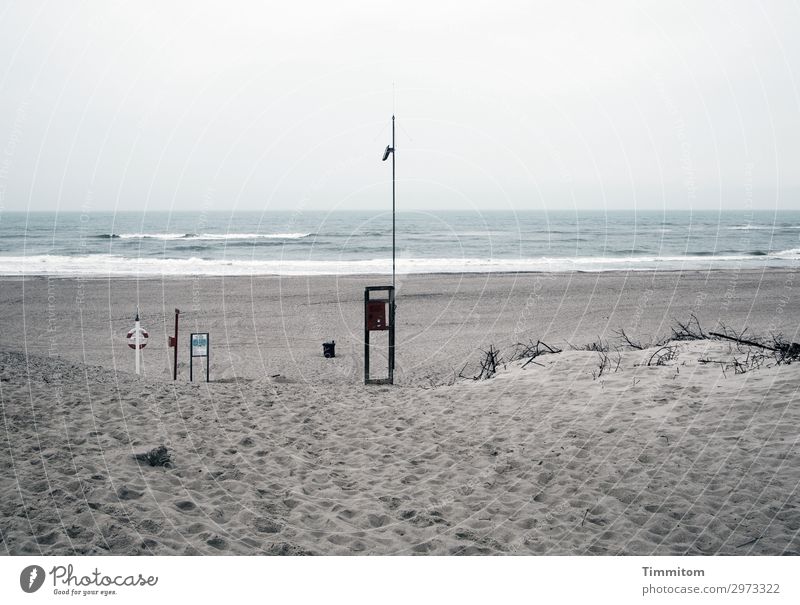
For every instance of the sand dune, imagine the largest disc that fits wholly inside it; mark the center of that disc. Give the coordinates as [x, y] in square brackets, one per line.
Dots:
[549, 459]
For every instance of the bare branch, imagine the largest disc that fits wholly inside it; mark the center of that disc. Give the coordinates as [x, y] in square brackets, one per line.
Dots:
[663, 355]
[626, 340]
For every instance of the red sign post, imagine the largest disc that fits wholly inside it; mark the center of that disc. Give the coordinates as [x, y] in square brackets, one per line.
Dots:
[173, 342]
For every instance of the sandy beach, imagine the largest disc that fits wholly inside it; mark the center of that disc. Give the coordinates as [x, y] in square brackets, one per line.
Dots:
[286, 452]
[263, 326]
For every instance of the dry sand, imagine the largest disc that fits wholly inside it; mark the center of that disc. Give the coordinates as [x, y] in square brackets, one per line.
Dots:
[286, 452]
[270, 325]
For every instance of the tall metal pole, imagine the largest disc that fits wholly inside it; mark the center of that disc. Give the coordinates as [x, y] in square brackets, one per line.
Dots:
[391, 304]
[394, 152]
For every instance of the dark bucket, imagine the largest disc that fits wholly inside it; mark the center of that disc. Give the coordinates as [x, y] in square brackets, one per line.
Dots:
[329, 349]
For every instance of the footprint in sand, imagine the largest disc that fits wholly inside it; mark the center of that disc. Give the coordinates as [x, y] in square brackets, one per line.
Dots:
[196, 528]
[358, 546]
[423, 547]
[338, 539]
[150, 526]
[125, 493]
[266, 526]
[290, 503]
[347, 514]
[391, 501]
[185, 505]
[47, 539]
[378, 520]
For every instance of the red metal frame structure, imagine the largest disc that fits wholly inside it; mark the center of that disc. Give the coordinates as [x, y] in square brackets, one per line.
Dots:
[375, 320]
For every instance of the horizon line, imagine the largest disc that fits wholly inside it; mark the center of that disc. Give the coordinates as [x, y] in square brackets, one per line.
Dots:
[407, 211]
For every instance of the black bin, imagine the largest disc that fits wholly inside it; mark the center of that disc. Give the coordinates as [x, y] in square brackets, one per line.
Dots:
[329, 349]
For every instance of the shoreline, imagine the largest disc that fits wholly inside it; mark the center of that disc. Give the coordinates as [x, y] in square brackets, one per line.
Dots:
[192, 276]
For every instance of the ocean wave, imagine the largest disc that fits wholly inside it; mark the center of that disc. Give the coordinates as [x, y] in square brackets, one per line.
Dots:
[793, 253]
[112, 265]
[261, 242]
[359, 233]
[204, 236]
[752, 227]
[775, 227]
[187, 248]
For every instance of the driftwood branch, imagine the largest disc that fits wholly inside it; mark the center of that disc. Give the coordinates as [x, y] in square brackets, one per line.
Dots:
[489, 364]
[627, 340]
[533, 350]
[691, 330]
[742, 341]
[662, 355]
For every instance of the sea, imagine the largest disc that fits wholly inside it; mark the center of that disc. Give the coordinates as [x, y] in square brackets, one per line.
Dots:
[340, 243]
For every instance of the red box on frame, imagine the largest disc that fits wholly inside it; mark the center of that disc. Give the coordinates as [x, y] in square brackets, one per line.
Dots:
[376, 315]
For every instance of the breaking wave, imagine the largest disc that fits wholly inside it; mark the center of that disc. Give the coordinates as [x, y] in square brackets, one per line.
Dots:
[112, 265]
[204, 236]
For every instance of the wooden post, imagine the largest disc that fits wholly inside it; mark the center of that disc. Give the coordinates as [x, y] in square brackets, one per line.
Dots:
[175, 352]
[366, 338]
[137, 339]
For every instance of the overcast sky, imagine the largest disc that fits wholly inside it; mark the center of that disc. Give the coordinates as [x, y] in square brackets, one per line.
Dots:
[123, 105]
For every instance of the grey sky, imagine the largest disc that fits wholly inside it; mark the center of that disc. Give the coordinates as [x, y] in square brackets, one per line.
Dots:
[228, 105]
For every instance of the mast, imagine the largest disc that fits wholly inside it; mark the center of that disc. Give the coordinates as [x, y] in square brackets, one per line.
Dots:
[393, 205]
